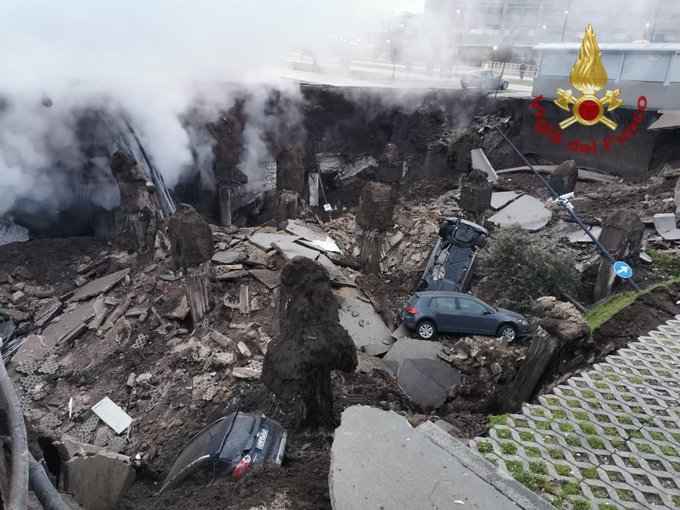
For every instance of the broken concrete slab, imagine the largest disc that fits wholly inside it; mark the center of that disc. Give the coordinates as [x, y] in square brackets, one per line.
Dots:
[229, 256]
[68, 325]
[33, 349]
[320, 241]
[10, 232]
[266, 241]
[479, 161]
[666, 226]
[526, 211]
[248, 373]
[290, 249]
[99, 286]
[402, 468]
[364, 325]
[420, 372]
[401, 332]
[563, 179]
[335, 273]
[96, 477]
[502, 198]
[579, 236]
[271, 279]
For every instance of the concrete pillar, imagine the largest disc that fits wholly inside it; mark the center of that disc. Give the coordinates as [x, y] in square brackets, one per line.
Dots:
[314, 189]
[224, 193]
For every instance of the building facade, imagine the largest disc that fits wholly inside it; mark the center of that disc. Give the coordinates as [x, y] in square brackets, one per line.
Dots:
[478, 25]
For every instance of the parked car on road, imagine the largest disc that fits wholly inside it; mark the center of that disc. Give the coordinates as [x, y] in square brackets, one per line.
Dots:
[429, 313]
[484, 80]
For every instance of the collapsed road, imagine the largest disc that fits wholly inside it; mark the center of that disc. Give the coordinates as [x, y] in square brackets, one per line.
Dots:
[122, 349]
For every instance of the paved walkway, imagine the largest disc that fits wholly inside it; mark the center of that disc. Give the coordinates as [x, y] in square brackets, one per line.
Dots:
[607, 439]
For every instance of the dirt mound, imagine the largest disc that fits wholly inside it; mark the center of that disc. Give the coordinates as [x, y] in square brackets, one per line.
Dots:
[644, 315]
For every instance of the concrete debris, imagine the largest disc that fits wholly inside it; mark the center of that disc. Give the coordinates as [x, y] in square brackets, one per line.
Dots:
[502, 198]
[480, 162]
[420, 372]
[244, 350]
[561, 319]
[224, 359]
[290, 249]
[579, 236]
[181, 311]
[33, 349]
[220, 339]
[100, 311]
[364, 325]
[403, 468]
[475, 193]
[99, 286]
[190, 237]
[112, 415]
[666, 225]
[229, 257]
[10, 232]
[198, 290]
[266, 241]
[244, 299]
[527, 211]
[319, 241]
[271, 279]
[96, 477]
[248, 373]
[68, 325]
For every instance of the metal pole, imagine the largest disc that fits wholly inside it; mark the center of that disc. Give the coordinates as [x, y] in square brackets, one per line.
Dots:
[566, 17]
[554, 194]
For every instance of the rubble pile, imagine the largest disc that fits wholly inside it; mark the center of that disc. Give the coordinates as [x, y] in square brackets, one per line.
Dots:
[486, 365]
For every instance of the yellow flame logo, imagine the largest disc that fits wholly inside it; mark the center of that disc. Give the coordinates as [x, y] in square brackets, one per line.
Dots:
[588, 76]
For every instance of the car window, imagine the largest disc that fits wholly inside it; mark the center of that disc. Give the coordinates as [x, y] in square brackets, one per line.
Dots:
[468, 305]
[443, 303]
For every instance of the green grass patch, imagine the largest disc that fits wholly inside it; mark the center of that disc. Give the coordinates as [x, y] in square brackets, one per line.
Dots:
[571, 489]
[572, 440]
[581, 504]
[503, 433]
[635, 434]
[527, 436]
[625, 420]
[566, 427]
[589, 473]
[580, 415]
[484, 447]
[559, 414]
[635, 380]
[658, 436]
[625, 494]
[611, 431]
[676, 500]
[596, 442]
[549, 439]
[563, 470]
[644, 448]
[556, 454]
[543, 425]
[668, 263]
[532, 451]
[607, 506]
[588, 428]
[498, 420]
[538, 468]
[537, 411]
[509, 448]
[668, 450]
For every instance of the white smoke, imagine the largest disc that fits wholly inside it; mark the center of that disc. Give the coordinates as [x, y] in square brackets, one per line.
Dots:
[148, 58]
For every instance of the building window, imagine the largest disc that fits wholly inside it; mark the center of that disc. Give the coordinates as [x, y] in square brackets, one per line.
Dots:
[644, 66]
[611, 63]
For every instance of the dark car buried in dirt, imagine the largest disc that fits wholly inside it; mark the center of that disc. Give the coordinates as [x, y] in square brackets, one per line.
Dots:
[429, 313]
[483, 80]
[228, 447]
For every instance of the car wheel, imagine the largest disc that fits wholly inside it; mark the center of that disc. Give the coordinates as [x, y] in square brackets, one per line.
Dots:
[505, 85]
[426, 330]
[508, 331]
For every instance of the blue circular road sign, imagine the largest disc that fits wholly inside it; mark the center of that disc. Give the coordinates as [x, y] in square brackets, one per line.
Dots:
[623, 270]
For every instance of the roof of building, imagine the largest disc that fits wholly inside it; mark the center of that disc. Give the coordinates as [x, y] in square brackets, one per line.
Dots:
[633, 46]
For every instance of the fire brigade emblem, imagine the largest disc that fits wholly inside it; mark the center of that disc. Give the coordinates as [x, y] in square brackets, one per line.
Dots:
[588, 76]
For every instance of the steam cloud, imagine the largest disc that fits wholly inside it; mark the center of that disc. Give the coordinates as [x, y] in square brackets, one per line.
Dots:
[152, 60]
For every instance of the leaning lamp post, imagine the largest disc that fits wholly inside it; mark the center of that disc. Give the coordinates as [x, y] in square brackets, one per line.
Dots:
[564, 202]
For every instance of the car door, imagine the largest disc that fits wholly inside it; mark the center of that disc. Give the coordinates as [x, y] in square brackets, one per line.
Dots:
[472, 315]
[445, 313]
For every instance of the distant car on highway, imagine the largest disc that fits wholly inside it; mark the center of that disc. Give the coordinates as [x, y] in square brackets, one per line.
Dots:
[429, 313]
[484, 80]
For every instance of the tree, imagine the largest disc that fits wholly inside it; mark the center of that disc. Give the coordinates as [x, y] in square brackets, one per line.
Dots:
[519, 268]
